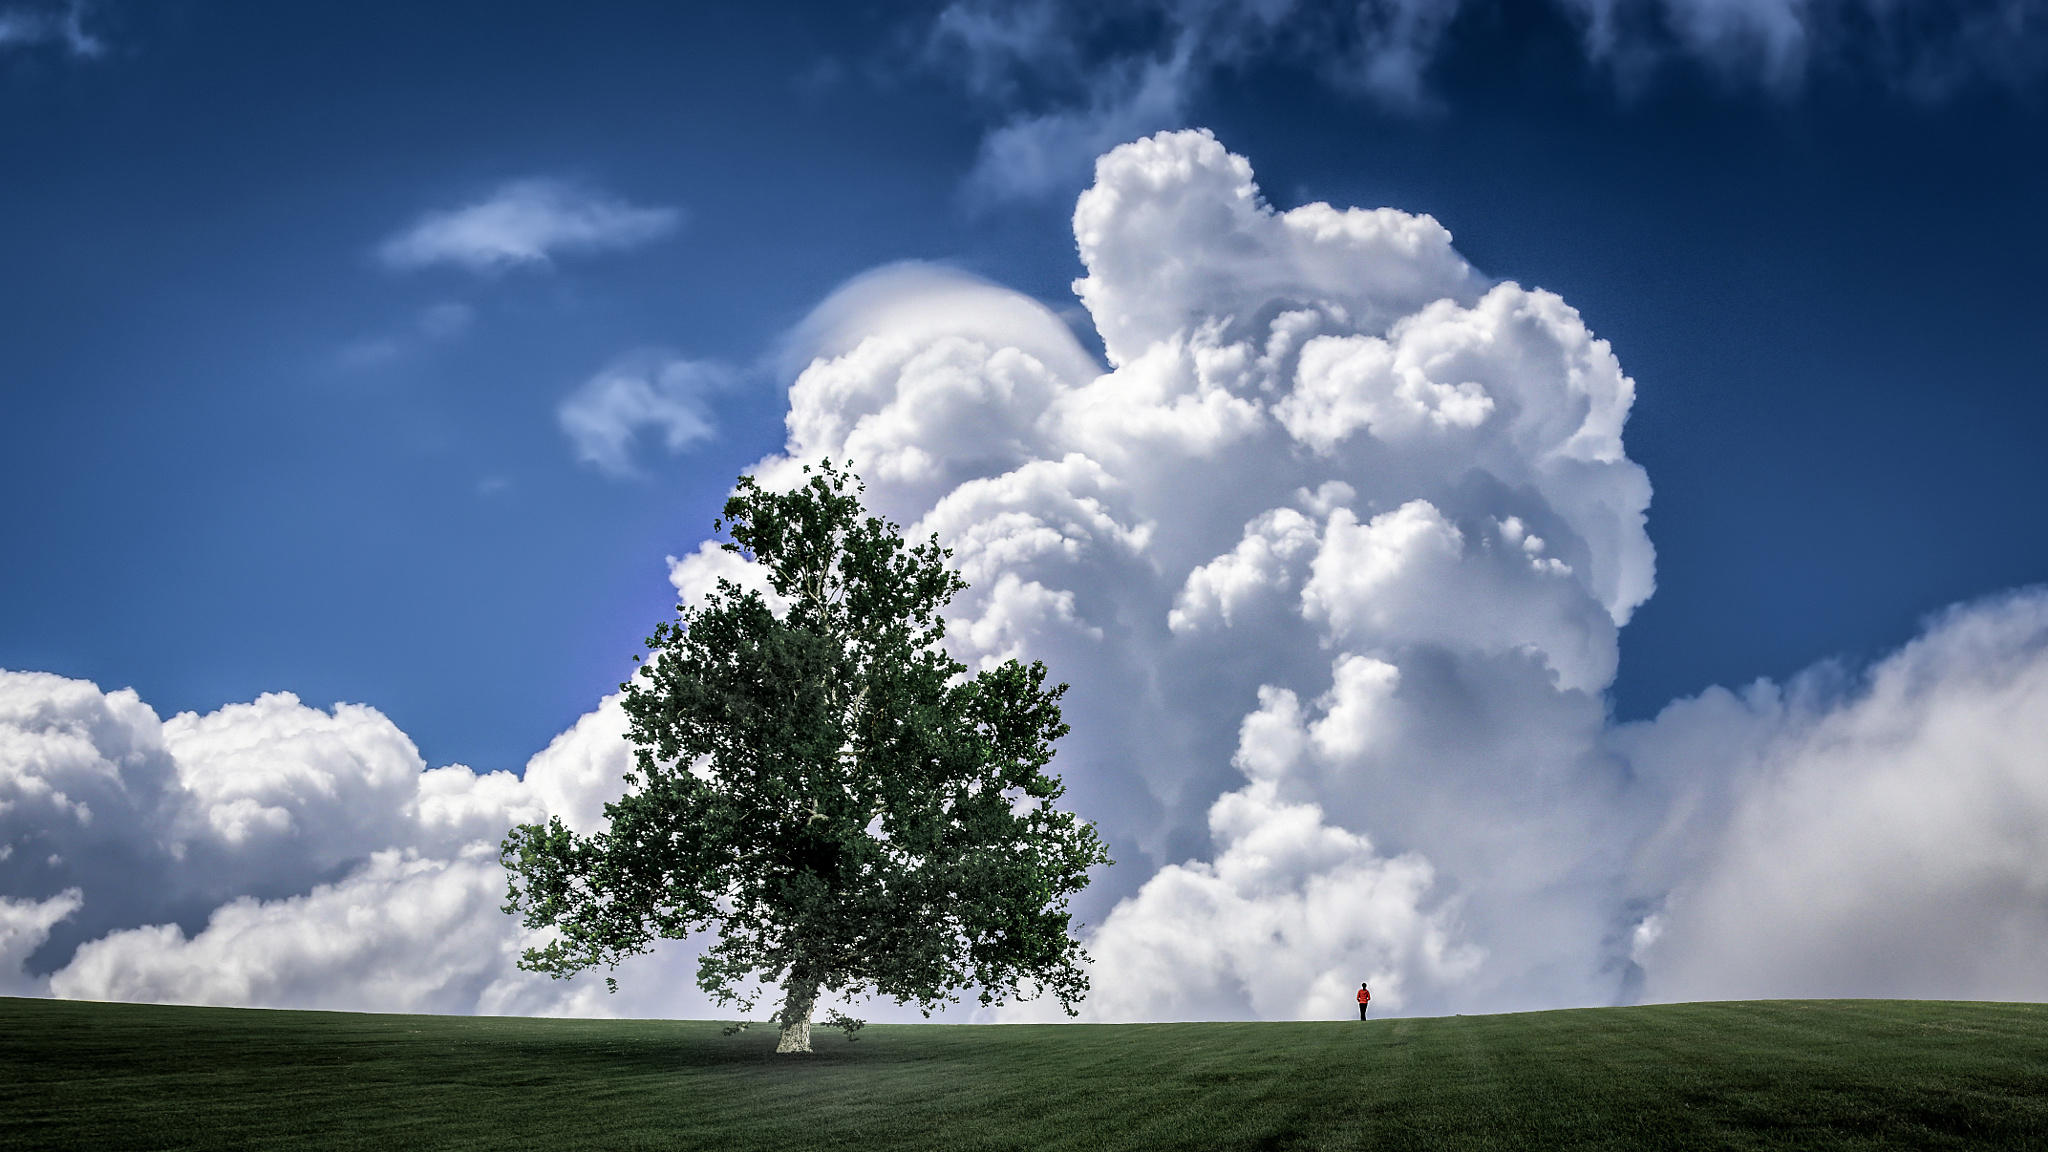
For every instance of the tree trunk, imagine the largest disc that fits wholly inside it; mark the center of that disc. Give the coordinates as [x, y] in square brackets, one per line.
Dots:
[799, 996]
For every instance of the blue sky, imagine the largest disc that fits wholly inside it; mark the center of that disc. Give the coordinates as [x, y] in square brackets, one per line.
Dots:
[1828, 295]
[274, 422]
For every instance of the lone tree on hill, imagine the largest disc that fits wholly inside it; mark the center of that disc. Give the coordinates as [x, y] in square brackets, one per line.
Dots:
[826, 787]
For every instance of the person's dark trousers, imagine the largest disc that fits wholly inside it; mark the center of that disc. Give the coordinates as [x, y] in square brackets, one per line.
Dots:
[1361, 1011]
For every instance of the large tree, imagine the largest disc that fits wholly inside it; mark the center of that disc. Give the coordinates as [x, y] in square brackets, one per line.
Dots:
[819, 782]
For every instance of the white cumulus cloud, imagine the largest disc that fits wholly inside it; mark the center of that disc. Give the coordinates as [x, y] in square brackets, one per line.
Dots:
[1229, 522]
[399, 934]
[526, 222]
[1334, 551]
[24, 925]
[1290, 917]
[268, 853]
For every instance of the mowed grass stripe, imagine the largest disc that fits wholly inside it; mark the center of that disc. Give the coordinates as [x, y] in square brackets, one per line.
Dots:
[1787, 1074]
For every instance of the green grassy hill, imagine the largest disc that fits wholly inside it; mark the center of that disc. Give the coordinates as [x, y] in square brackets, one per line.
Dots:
[1791, 1074]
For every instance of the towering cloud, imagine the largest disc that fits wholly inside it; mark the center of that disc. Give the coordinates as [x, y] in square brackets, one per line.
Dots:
[1335, 553]
[1335, 550]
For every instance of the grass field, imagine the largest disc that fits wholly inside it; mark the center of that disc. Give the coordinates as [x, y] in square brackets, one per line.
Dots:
[1788, 1074]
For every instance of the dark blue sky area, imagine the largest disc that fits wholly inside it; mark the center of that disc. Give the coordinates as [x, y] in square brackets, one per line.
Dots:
[236, 459]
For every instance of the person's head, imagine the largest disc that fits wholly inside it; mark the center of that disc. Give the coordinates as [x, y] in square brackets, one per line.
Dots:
[1361, 983]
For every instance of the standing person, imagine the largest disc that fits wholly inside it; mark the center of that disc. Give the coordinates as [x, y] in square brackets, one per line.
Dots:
[1364, 998]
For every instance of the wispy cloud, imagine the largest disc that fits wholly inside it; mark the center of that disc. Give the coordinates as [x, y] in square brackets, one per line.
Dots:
[526, 222]
[646, 391]
[1063, 80]
[435, 324]
[60, 27]
[1052, 151]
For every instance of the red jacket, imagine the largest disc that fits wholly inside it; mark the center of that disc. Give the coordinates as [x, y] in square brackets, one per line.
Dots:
[1364, 995]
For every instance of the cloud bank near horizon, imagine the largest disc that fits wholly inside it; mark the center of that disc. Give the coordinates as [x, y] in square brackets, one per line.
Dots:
[1335, 552]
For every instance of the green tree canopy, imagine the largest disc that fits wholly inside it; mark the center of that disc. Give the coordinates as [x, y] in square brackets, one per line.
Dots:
[823, 786]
